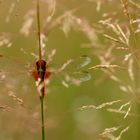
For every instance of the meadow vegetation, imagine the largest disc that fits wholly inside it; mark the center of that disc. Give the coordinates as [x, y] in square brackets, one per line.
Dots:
[92, 49]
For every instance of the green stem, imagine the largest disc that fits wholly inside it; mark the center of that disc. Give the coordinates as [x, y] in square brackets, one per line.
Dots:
[42, 117]
[38, 25]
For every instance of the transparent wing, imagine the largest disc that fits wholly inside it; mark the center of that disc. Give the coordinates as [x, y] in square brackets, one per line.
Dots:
[74, 71]
[78, 63]
[82, 76]
[76, 78]
[84, 61]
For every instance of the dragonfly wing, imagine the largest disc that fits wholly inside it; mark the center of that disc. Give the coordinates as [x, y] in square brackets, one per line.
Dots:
[73, 73]
[85, 60]
[77, 64]
[82, 76]
[76, 78]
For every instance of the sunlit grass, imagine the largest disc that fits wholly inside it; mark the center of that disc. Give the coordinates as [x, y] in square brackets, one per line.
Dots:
[104, 107]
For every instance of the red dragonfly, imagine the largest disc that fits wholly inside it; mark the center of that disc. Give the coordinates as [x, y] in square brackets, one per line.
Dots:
[41, 75]
[41, 72]
[71, 72]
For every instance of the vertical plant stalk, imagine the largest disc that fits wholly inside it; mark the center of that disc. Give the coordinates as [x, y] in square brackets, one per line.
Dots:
[41, 73]
[42, 117]
[38, 32]
[41, 68]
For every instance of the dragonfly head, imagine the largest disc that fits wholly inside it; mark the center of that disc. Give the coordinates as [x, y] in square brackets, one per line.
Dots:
[41, 65]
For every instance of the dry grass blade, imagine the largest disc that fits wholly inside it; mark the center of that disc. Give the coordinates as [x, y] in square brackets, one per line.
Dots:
[122, 112]
[5, 39]
[137, 5]
[15, 98]
[99, 106]
[11, 9]
[125, 9]
[105, 67]
[127, 88]
[122, 132]
[5, 108]
[128, 111]
[65, 65]
[51, 55]
[51, 9]
[28, 22]
[112, 38]
[124, 38]
[108, 132]
[127, 57]
[58, 21]
[130, 69]
[122, 48]
[108, 23]
[134, 45]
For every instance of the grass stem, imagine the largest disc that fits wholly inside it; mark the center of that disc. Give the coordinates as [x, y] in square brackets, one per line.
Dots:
[38, 25]
[42, 117]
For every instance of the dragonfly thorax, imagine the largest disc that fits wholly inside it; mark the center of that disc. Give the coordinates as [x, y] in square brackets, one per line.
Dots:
[41, 65]
[41, 70]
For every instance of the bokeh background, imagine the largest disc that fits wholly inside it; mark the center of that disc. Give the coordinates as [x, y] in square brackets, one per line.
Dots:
[73, 28]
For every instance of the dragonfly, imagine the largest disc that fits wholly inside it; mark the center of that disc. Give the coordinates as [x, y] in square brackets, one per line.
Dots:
[69, 73]
[73, 70]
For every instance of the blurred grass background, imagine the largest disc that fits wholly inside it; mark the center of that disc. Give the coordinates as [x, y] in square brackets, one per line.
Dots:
[63, 120]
